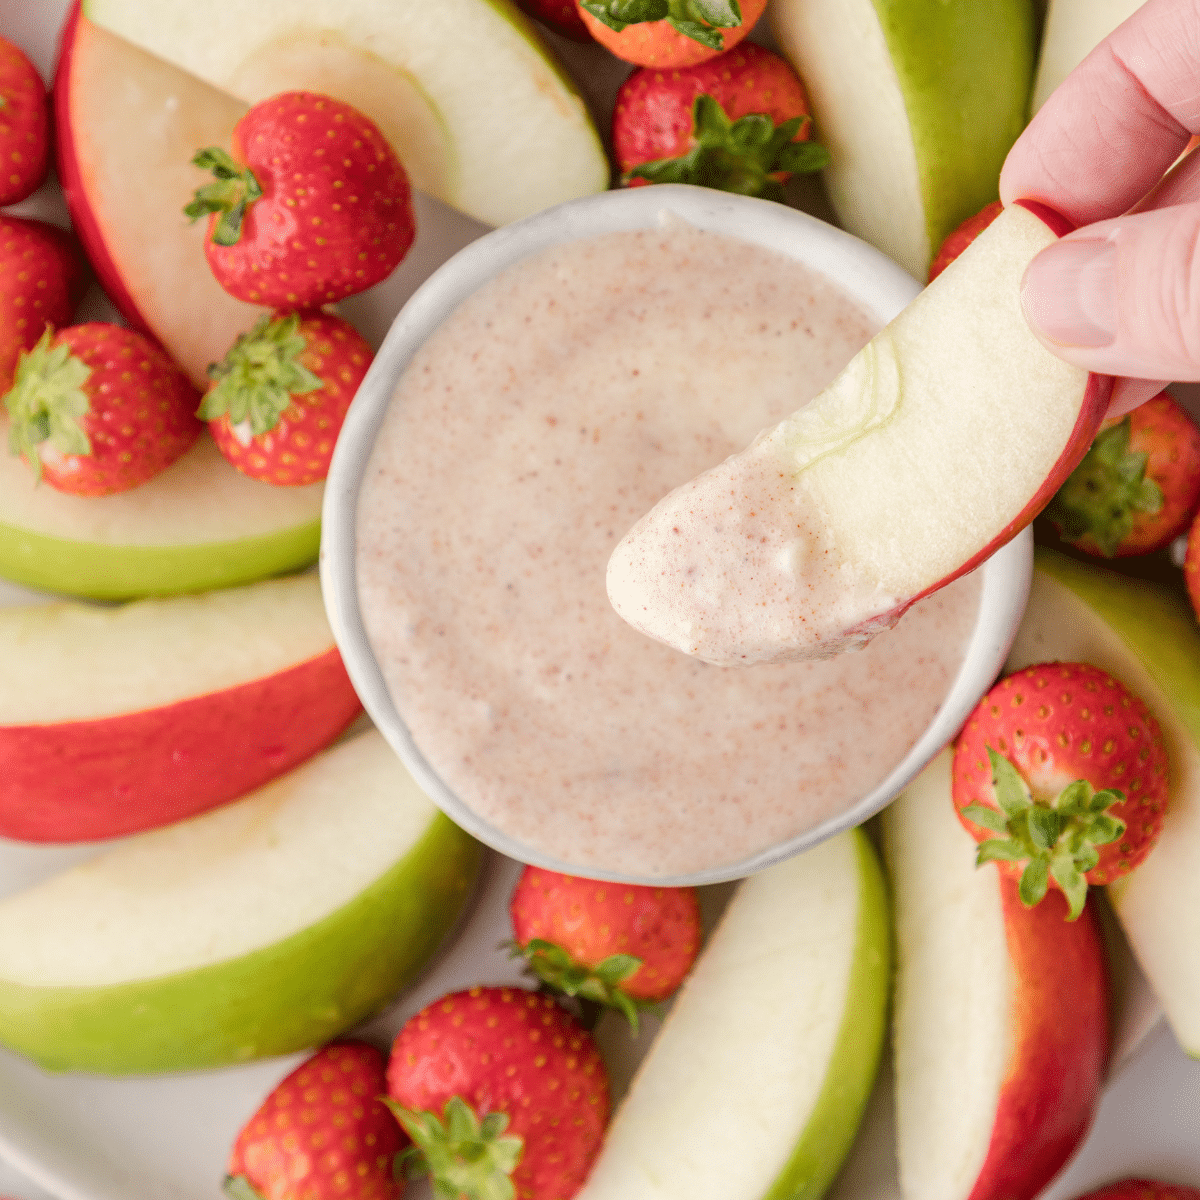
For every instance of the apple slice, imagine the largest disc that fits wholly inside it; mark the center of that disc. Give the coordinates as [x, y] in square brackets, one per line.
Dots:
[199, 525]
[478, 111]
[126, 191]
[258, 929]
[756, 1083]
[918, 103]
[1001, 1019]
[939, 442]
[114, 720]
[1145, 636]
[1073, 29]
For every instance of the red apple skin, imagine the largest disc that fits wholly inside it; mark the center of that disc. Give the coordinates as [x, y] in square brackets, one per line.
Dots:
[81, 781]
[1060, 1016]
[71, 176]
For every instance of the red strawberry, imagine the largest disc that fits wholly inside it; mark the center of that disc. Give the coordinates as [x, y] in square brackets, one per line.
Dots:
[500, 1082]
[957, 240]
[738, 122]
[1143, 1189]
[1138, 486]
[323, 1133]
[312, 206]
[1061, 772]
[24, 125]
[42, 278]
[613, 943]
[669, 33]
[560, 15]
[280, 395]
[98, 409]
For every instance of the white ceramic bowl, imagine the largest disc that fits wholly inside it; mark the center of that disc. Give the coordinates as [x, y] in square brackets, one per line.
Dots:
[876, 282]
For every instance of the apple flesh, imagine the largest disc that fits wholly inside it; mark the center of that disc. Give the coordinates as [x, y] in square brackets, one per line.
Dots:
[114, 720]
[1000, 1025]
[1145, 636]
[199, 525]
[755, 1085]
[918, 103]
[938, 443]
[258, 929]
[126, 193]
[466, 92]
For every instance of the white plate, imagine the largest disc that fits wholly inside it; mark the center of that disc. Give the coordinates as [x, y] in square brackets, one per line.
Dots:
[80, 1138]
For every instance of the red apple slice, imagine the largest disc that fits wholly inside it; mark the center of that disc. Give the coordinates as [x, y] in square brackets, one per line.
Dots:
[114, 720]
[1001, 1025]
[127, 125]
[939, 442]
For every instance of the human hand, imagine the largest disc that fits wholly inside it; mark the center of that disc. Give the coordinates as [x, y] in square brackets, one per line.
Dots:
[1121, 295]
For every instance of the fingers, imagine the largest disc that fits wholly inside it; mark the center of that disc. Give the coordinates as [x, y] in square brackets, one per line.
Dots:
[1109, 132]
[1122, 297]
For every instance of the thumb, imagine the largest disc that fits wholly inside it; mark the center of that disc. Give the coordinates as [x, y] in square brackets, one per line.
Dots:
[1122, 297]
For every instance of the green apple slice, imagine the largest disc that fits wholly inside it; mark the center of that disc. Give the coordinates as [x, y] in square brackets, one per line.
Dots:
[260, 928]
[198, 526]
[918, 102]
[478, 111]
[1146, 637]
[755, 1085]
[1074, 28]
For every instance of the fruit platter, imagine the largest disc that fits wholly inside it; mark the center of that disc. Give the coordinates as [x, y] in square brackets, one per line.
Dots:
[293, 976]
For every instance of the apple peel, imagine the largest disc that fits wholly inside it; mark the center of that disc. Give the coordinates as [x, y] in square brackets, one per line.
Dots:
[938, 443]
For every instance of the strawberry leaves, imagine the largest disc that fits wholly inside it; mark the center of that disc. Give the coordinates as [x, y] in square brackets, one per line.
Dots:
[700, 20]
[464, 1156]
[235, 189]
[600, 983]
[741, 156]
[1057, 840]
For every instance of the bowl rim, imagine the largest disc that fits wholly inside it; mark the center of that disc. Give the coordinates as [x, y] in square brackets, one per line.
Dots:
[873, 279]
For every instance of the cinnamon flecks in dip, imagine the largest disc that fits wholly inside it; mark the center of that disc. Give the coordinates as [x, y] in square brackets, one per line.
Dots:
[537, 424]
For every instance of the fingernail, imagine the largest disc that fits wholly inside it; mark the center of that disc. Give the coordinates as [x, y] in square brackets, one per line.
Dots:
[1069, 293]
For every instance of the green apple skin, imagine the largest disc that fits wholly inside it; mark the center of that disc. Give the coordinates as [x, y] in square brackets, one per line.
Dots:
[107, 571]
[1073, 29]
[835, 1118]
[299, 992]
[1146, 636]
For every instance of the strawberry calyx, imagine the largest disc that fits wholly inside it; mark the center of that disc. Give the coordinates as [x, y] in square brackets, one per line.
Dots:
[700, 20]
[1057, 840]
[235, 189]
[600, 983]
[256, 380]
[1101, 496]
[238, 1187]
[46, 402]
[465, 1158]
[747, 156]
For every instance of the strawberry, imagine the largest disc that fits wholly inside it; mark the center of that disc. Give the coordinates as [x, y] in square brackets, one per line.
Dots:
[24, 125]
[1137, 488]
[312, 205]
[669, 33]
[502, 1093]
[98, 409]
[1062, 769]
[42, 279]
[323, 1133]
[614, 943]
[957, 240]
[738, 122]
[279, 396]
[560, 15]
[1143, 1189]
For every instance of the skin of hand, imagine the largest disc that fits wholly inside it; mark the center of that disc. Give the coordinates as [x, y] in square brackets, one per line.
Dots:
[1121, 295]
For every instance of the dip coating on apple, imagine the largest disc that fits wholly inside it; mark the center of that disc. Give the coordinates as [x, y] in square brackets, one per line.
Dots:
[939, 442]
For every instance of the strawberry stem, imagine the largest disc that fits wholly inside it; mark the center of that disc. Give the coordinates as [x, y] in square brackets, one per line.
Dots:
[1057, 840]
[235, 189]
[700, 20]
[259, 376]
[46, 402]
[600, 984]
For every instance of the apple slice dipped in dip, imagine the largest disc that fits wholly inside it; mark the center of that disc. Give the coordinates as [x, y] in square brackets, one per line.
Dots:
[938, 443]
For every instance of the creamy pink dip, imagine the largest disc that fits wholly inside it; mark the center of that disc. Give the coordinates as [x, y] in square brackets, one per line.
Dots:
[548, 413]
